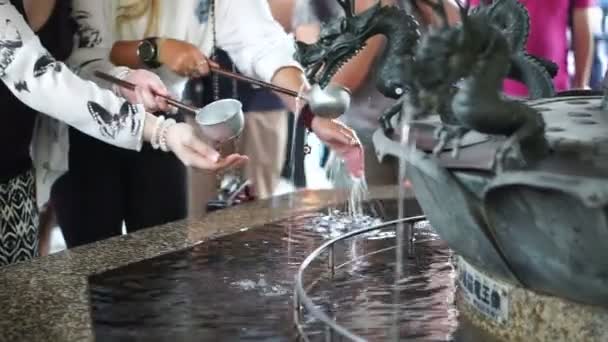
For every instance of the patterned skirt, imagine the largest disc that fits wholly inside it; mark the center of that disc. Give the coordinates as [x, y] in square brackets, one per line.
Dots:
[18, 219]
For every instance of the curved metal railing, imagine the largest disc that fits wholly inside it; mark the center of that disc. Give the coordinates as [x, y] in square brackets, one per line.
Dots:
[303, 301]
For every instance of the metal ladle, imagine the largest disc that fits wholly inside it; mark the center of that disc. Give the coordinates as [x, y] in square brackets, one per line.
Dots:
[220, 121]
[330, 102]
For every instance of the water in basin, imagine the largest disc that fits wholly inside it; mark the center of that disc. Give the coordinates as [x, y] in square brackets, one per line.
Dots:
[240, 287]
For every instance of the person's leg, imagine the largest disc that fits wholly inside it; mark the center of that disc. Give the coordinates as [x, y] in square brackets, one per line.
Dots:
[89, 198]
[156, 187]
[597, 74]
[45, 227]
[264, 140]
[18, 220]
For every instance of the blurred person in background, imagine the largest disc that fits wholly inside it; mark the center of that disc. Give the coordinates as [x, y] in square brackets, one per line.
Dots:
[550, 21]
[600, 48]
[282, 11]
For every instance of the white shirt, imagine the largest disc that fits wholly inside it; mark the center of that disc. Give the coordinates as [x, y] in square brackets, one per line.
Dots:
[246, 30]
[48, 86]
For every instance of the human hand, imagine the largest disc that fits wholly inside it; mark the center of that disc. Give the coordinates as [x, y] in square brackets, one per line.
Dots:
[343, 141]
[182, 140]
[183, 58]
[147, 88]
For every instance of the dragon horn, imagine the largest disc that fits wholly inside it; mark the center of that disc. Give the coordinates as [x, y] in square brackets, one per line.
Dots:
[348, 6]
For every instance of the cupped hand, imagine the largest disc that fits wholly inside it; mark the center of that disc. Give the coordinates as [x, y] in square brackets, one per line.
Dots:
[344, 141]
[182, 140]
[147, 88]
[184, 58]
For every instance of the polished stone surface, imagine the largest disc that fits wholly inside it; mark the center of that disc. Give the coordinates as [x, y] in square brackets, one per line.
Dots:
[48, 299]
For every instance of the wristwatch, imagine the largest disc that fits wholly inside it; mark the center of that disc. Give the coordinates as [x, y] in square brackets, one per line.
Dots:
[147, 51]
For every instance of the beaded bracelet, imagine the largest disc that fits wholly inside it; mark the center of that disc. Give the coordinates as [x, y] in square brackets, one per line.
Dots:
[156, 134]
[163, 134]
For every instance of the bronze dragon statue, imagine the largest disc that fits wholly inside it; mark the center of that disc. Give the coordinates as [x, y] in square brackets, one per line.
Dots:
[343, 38]
[477, 54]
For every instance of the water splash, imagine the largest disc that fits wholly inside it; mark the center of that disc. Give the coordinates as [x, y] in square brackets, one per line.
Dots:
[262, 286]
[404, 233]
[336, 223]
[358, 194]
[355, 187]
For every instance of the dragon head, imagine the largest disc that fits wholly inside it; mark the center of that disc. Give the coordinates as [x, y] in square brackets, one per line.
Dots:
[339, 41]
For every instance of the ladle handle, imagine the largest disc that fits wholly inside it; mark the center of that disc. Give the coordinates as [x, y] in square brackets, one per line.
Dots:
[131, 86]
[250, 80]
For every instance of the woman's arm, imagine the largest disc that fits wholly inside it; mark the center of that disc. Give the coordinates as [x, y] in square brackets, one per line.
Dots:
[48, 86]
[38, 12]
[258, 45]
[430, 18]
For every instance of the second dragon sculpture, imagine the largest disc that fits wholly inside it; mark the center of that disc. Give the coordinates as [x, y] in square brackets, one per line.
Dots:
[476, 53]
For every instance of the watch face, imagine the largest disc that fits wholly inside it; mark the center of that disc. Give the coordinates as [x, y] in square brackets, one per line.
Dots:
[146, 51]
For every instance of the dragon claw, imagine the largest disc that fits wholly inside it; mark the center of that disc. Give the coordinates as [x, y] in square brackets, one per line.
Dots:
[438, 148]
[442, 135]
[510, 147]
[446, 134]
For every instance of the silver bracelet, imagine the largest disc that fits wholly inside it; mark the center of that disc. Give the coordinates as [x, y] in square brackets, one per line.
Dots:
[163, 134]
[155, 141]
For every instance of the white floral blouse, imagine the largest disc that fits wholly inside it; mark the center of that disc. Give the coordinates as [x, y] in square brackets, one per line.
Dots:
[48, 86]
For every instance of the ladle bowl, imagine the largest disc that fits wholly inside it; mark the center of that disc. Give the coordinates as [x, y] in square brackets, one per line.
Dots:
[329, 102]
[221, 120]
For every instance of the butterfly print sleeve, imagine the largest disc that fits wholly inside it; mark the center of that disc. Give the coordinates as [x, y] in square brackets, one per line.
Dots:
[51, 88]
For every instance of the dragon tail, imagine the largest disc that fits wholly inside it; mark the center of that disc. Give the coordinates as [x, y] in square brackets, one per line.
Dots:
[535, 73]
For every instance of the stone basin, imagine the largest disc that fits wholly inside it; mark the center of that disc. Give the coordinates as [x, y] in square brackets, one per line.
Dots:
[537, 228]
[48, 299]
[60, 297]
